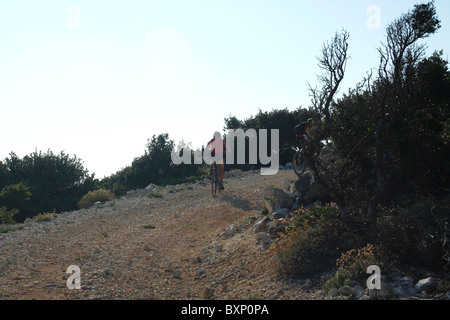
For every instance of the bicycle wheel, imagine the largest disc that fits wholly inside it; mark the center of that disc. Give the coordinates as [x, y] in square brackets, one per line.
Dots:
[299, 163]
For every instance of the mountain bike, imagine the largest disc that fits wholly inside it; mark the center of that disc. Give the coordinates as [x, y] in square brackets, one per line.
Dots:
[215, 186]
[299, 161]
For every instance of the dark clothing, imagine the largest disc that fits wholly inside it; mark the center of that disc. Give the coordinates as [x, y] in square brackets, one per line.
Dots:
[300, 129]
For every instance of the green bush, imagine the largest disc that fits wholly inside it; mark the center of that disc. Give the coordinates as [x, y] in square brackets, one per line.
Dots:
[42, 182]
[356, 261]
[282, 119]
[154, 166]
[92, 197]
[44, 217]
[415, 233]
[17, 197]
[352, 266]
[6, 216]
[313, 242]
[342, 277]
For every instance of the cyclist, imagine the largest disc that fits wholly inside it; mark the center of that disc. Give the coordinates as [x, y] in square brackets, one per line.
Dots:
[300, 130]
[216, 145]
[302, 137]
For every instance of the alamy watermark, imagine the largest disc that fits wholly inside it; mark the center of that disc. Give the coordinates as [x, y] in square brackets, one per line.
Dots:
[266, 155]
[73, 281]
[73, 22]
[374, 20]
[374, 281]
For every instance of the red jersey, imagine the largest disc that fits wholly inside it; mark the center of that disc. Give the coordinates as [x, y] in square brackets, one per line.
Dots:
[216, 145]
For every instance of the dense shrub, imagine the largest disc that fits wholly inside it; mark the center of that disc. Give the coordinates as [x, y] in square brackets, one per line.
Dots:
[45, 217]
[154, 166]
[392, 135]
[415, 148]
[356, 261]
[281, 119]
[6, 216]
[92, 197]
[392, 129]
[416, 233]
[316, 238]
[352, 266]
[16, 197]
[42, 182]
[342, 277]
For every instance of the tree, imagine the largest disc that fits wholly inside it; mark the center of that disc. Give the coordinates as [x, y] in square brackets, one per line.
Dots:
[56, 181]
[332, 61]
[390, 94]
[392, 125]
[153, 166]
[281, 119]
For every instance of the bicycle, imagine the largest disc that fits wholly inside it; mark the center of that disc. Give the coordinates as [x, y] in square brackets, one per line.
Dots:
[299, 161]
[215, 182]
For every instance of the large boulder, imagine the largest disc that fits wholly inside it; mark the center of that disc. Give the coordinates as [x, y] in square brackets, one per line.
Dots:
[304, 182]
[317, 192]
[275, 199]
[330, 158]
[310, 189]
[428, 285]
[307, 184]
[288, 185]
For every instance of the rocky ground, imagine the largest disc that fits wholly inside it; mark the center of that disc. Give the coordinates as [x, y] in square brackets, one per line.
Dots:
[169, 243]
[176, 242]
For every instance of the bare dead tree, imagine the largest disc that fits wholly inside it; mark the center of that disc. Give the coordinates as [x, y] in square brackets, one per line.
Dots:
[332, 62]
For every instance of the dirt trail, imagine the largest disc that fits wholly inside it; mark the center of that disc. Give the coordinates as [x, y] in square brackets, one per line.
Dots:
[170, 246]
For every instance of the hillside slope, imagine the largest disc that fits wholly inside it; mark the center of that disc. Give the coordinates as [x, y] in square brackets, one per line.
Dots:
[167, 246]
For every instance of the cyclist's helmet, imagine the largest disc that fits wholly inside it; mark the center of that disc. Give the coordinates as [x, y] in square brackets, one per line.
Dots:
[310, 120]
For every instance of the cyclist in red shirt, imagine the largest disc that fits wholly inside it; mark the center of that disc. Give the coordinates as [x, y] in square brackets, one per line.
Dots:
[300, 130]
[216, 145]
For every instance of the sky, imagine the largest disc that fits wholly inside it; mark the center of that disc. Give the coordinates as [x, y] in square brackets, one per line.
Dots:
[97, 78]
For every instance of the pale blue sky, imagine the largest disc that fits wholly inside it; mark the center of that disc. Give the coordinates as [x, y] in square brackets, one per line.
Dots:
[98, 78]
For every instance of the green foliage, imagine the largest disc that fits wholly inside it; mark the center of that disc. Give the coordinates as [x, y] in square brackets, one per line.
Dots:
[92, 197]
[342, 277]
[16, 197]
[356, 261]
[7, 229]
[303, 215]
[415, 149]
[42, 182]
[281, 119]
[6, 216]
[392, 130]
[45, 217]
[423, 19]
[392, 133]
[151, 167]
[312, 244]
[154, 166]
[414, 233]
